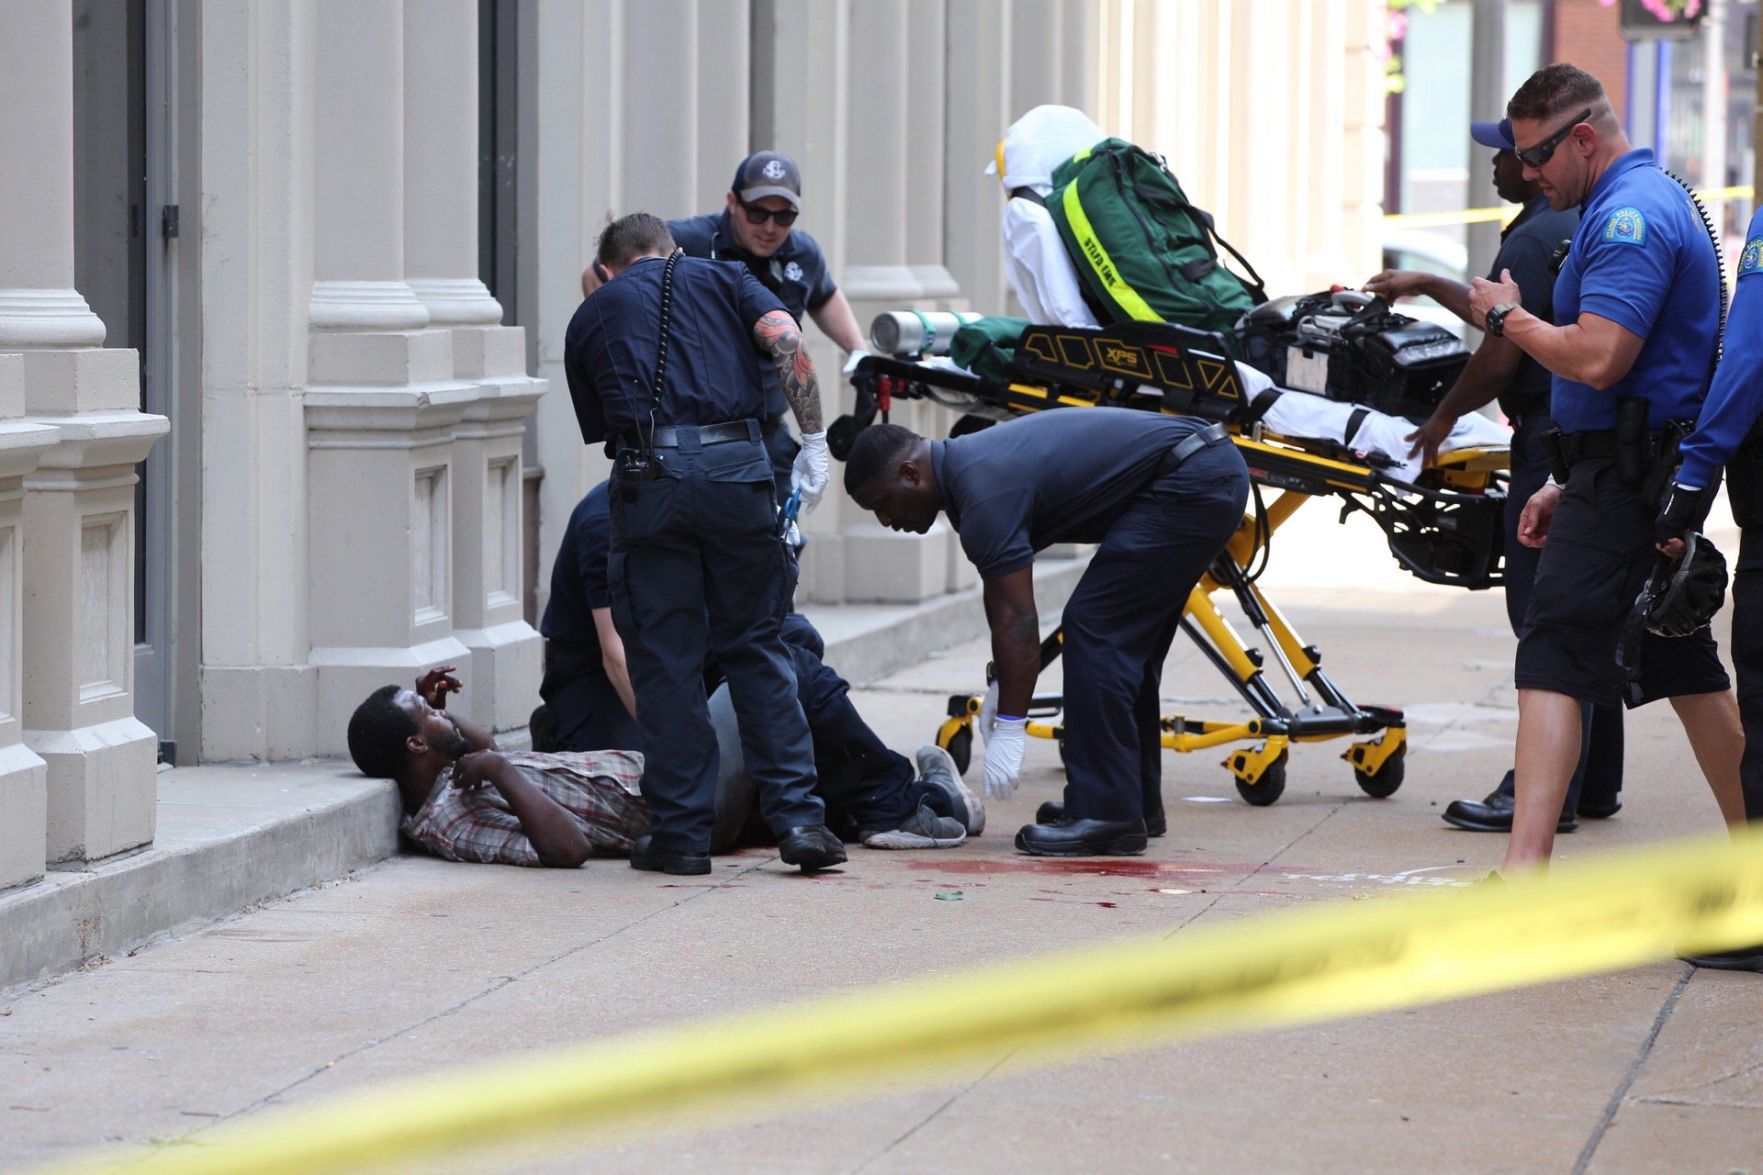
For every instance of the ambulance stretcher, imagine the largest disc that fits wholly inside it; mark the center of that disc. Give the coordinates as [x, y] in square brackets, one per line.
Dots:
[1443, 528]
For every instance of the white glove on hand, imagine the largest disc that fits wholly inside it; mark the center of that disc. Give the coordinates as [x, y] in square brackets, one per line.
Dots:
[988, 712]
[809, 474]
[851, 362]
[1004, 757]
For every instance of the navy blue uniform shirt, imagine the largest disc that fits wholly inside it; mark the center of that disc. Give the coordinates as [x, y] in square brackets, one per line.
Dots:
[1059, 476]
[1736, 398]
[713, 361]
[1525, 248]
[579, 582]
[796, 273]
[1640, 249]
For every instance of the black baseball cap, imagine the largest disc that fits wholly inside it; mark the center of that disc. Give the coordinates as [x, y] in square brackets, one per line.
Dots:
[768, 173]
[1497, 135]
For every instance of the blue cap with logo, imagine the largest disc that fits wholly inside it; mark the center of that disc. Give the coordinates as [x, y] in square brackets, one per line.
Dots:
[1497, 135]
[768, 173]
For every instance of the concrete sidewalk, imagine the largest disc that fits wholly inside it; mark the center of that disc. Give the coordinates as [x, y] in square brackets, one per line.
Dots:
[415, 964]
[231, 835]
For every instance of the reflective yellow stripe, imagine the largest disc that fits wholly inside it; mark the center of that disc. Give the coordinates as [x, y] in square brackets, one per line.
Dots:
[1124, 296]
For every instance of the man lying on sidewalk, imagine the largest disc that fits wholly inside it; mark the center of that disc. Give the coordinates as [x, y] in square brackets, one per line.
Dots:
[465, 800]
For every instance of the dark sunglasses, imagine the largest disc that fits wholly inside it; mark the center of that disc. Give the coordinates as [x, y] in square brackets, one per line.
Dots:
[1538, 154]
[785, 217]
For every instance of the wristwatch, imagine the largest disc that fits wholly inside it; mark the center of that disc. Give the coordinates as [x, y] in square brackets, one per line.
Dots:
[1496, 318]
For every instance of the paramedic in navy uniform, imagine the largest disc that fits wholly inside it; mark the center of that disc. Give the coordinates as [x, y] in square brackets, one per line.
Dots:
[1161, 494]
[690, 492]
[755, 229]
[1500, 370]
[1729, 417]
[1641, 248]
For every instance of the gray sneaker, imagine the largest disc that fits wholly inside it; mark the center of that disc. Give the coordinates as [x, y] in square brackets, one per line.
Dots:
[924, 829]
[937, 768]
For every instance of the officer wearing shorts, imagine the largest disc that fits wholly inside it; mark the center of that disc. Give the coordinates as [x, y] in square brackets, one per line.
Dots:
[1638, 302]
[1162, 495]
[1727, 435]
[663, 365]
[755, 229]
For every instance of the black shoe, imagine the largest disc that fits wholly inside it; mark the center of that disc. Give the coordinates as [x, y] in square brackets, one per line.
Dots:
[643, 856]
[1053, 812]
[1083, 838]
[1741, 959]
[812, 846]
[1493, 814]
[1600, 807]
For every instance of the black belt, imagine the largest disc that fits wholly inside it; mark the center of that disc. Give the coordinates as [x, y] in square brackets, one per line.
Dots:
[1602, 443]
[668, 436]
[1189, 445]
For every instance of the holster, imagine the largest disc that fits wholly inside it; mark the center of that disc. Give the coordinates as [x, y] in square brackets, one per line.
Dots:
[1552, 454]
[1631, 439]
[1665, 461]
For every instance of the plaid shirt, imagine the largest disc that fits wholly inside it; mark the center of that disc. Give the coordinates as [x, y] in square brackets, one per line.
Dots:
[598, 788]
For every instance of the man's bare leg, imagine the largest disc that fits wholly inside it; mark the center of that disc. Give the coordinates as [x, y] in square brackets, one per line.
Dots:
[1718, 738]
[1542, 771]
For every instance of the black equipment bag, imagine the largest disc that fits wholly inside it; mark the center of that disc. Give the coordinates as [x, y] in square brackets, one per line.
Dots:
[1353, 347]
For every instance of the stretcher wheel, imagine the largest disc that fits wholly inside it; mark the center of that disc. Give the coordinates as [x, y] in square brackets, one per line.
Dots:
[1388, 778]
[1268, 787]
[960, 748]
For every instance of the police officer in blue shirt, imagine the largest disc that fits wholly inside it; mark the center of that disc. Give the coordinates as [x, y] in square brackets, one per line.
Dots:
[1162, 495]
[1499, 370]
[756, 229]
[1727, 434]
[663, 365]
[1624, 377]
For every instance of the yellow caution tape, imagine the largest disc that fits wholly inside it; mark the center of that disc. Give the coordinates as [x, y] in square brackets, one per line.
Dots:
[1279, 969]
[1506, 212]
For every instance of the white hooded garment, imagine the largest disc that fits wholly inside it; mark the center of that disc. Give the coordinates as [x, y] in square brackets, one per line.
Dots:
[1035, 261]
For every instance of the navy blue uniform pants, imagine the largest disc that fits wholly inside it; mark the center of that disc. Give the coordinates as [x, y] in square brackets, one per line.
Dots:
[781, 448]
[697, 566]
[1747, 663]
[1599, 773]
[867, 787]
[1119, 624]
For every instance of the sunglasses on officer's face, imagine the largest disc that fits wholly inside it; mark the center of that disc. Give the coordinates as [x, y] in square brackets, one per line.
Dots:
[1540, 153]
[785, 217]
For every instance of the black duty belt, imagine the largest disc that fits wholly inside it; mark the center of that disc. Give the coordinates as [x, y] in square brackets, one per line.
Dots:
[1602, 443]
[668, 436]
[1189, 445]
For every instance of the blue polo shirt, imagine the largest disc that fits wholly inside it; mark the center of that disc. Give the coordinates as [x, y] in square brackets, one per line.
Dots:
[1736, 399]
[713, 361]
[579, 581]
[1641, 259]
[1061, 476]
[796, 273]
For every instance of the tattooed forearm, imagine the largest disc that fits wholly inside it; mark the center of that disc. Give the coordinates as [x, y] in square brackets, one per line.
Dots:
[780, 338]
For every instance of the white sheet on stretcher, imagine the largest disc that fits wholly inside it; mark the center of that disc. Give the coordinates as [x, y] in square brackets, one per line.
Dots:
[1307, 416]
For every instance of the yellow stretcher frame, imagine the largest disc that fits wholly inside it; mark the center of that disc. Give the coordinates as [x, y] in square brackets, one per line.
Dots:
[1300, 470]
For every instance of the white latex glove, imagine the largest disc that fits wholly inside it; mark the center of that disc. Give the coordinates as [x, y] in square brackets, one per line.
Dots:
[1004, 757]
[988, 712]
[851, 361]
[809, 474]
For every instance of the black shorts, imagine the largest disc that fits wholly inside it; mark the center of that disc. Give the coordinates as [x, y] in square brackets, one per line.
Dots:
[1599, 554]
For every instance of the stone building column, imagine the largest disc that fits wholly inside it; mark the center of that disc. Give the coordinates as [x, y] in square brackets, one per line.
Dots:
[66, 509]
[894, 260]
[381, 401]
[441, 259]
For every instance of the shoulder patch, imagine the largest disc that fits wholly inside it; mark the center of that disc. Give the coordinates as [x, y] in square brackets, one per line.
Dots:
[1751, 260]
[1626, 225]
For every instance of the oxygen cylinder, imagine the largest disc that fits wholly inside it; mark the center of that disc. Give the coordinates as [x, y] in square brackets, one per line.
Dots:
[916, 332]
